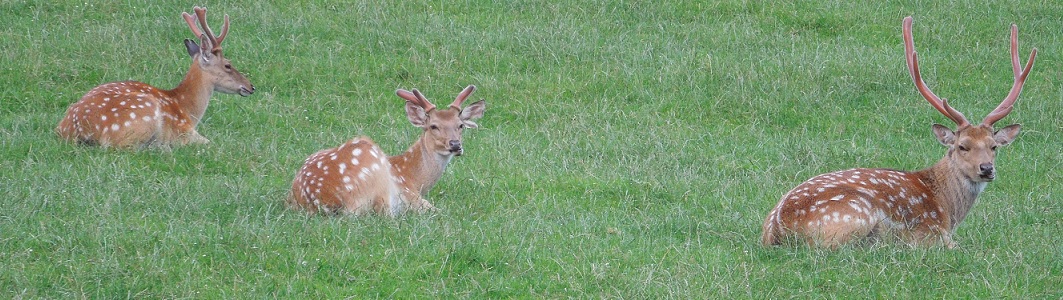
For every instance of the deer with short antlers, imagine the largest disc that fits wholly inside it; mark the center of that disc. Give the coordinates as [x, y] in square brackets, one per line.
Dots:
[134, 114]
[357, 178]
[920, 208]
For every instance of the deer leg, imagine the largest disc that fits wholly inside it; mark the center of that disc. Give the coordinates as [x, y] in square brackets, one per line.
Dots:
[152, 140]
[837, 235]
[196, 138]
[87, 141]
[924, 236]
[425, 206]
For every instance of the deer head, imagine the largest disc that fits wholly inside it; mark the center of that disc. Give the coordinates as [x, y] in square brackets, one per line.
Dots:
[208, 56]
[972, 148]
[442, 127]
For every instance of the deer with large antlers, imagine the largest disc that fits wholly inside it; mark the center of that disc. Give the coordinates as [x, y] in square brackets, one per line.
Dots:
[357, 178]
[131, 114]
[920, 208]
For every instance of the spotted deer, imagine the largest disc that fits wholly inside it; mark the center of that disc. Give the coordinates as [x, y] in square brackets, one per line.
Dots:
[130, 114]
[357, 178]
[920, 208]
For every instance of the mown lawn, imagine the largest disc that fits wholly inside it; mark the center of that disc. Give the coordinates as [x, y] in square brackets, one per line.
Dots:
[630, 149]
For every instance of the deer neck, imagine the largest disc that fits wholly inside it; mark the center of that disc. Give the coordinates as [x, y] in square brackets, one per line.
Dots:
[418, 169]
[955, 192]
[193, 93]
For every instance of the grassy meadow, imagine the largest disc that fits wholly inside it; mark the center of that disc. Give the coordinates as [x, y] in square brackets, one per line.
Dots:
[630, 149]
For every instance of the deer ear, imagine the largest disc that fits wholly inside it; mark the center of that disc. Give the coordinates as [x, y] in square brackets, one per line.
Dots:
[416, 114]
[944, 134]
[473, 111]
[1007, 134]
[205, 46]
[193, 49]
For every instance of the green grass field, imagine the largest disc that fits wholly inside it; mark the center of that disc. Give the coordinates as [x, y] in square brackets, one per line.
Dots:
[630, 149]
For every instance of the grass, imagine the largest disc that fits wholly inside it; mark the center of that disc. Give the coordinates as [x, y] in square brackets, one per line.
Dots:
[630, 149]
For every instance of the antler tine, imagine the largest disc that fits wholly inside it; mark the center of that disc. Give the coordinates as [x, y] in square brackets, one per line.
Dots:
[224, 30]
[1005, 106]
[191, 20]
[404, 94]
[1015, 50]
[462, 96]
[409, 96]
[202, 14]
[913, 70]
[427, 105]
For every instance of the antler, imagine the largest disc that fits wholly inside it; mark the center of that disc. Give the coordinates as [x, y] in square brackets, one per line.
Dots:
[201, 14]
[191, 20]
[424, 101]
[462, 96]
[941, 105]
[416, 98]
[1005, 106]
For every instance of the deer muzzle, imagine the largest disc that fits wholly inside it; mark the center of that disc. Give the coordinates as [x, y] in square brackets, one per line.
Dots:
[245, 91]
[455, 147]
[986, 171]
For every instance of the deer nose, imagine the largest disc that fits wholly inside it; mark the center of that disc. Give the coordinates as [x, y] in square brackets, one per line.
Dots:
[244, 91]
[986, 168]
[455, 145]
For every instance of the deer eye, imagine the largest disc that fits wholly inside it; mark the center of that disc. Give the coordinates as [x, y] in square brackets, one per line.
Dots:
[461, 126]
[962, 148]
[994, 148]
[228, 66]
[433, 127]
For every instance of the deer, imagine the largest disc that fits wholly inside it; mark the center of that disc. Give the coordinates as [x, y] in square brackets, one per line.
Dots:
[920, 208]
[132, 114]
[357, 178]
